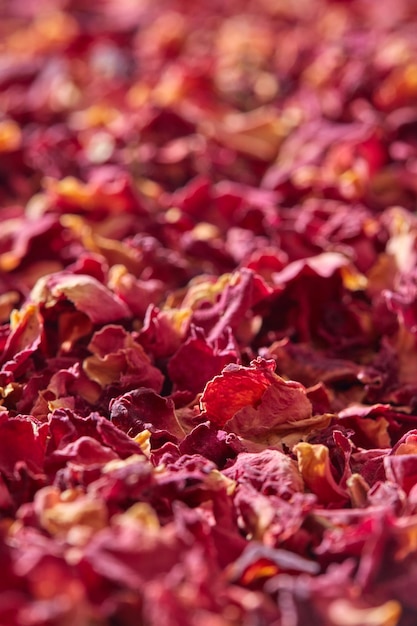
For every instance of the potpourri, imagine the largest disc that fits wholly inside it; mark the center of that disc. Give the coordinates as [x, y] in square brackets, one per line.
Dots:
[208, 308]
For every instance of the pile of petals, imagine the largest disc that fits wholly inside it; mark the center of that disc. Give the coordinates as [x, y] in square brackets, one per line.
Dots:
[208, 313]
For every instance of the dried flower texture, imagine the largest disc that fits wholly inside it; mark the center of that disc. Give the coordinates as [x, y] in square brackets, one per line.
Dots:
[208, 313]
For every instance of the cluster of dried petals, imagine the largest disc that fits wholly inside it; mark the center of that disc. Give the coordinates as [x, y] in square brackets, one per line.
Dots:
[208, 313]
